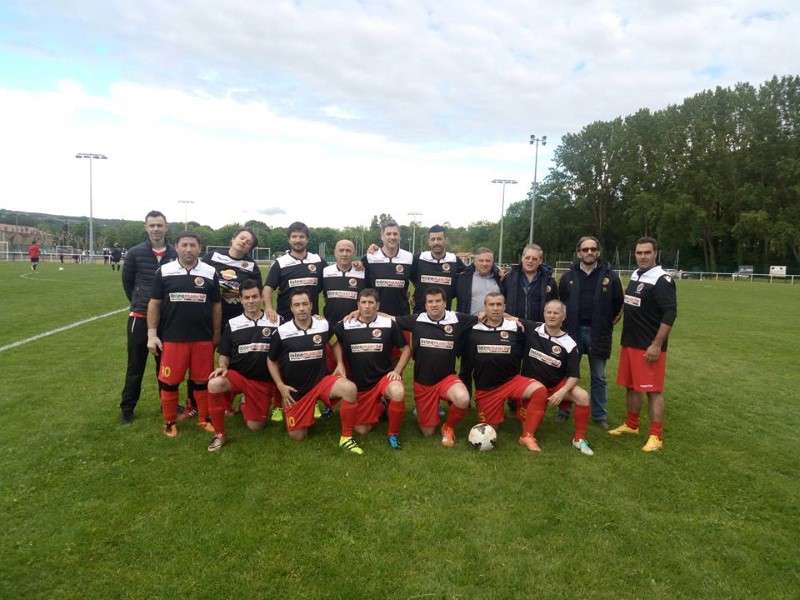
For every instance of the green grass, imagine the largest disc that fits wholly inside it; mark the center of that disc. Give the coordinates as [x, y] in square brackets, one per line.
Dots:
[93, 509]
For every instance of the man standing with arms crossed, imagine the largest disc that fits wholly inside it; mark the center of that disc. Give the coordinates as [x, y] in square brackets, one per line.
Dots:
[141, 263]
[592, 292]
[651, 307]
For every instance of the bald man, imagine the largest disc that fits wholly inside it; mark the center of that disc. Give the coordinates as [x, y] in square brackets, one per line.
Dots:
[341, 283]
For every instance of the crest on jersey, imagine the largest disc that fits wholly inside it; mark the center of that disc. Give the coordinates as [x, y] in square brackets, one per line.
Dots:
[199, 282]
[376, 333]
[668, 278]
[448, 329]
[312, 268]
[399, 268]
[317, 339]
[445, 267]
[228, 274]
[547, 289]
[556, 350]
[352, 282]
[605, 280]
[266, 332]
[504, 335]
[639, 288]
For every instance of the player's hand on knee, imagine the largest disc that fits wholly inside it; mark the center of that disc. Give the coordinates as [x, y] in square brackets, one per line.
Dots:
[286, 394]
[556, 399]
[218, 372]
[394, 376]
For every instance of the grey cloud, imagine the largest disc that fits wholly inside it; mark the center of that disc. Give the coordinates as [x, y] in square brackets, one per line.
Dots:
[271, 211]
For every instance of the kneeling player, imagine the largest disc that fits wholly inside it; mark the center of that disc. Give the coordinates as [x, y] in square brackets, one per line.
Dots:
[297, 365]
[243, 351]
[493, 351]
[368, 343]
[551, 357]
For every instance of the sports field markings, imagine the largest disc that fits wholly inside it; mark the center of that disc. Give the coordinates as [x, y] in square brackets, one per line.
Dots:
[31, 277]
[39, 336]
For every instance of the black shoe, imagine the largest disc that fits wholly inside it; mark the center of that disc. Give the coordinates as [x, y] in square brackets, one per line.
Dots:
[126, 417]
[602, 424]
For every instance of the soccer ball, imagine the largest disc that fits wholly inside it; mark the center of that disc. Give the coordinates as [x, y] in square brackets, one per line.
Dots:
[483, 437]
[60, 268]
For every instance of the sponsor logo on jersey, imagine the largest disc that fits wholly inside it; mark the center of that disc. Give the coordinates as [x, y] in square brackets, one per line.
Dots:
[228, 274]
[494, 349]
[346, 294]
[545, 358]
[254, 347]
[556, 350]
[352, 282]
[302, 282]
[632, 300]
[504, 335]
[187, 297]
[435, 279]
[199, 282]
[399, 268]
[390, 283]
[376, 333]
[639, 288]
[445, 267]
[437, 344]
[317, 339]
[448, 329]
[305, 355]
[312, 268]
[368, 347]
[266, 332]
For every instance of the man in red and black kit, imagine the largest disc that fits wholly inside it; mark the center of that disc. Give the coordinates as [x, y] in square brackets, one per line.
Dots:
[650, 310]
[436, 338]
[435, 267]
[33, 253]
[185, 311]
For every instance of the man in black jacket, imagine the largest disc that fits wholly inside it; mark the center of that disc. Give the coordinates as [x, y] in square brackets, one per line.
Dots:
[593, 294]
[141, 263]
[529, 285]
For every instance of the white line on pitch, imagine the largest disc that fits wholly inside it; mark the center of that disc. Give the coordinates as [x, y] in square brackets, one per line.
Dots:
[60, 329]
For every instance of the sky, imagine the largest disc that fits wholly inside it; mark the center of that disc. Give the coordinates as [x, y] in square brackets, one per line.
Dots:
[331, 112]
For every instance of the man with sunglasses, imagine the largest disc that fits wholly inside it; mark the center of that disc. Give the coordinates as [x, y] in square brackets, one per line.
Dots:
[593, 294]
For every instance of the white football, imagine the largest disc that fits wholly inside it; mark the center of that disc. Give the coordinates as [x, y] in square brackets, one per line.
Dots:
[483, 437]
[60, 268]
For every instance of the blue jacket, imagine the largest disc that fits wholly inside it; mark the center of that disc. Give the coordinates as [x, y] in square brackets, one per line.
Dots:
[525, 306]
[464, 287]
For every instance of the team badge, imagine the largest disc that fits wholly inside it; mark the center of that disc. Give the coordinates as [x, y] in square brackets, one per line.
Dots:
[445, 267]
[668, 278]
[266, 332]
[352, 282]
[317, 339]
[399, 268]
[228, 274]
[312, 268]
[376, 333]
[639, 288]
[605, 280]
[199, 282]
[448, 329]
[547, 289]
[556, 350]
[504, 335]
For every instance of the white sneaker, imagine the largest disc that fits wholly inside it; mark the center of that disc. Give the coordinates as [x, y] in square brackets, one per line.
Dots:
[583, 447]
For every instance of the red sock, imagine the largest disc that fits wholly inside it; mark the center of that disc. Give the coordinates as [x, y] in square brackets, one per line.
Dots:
[656, 429]
[201, 397]
[581, 416]
[632, 420]
[228, 401]
[347, 417]
[454, 415]
[169, 405]
[216, 406]
[535, 411]
[397, 411]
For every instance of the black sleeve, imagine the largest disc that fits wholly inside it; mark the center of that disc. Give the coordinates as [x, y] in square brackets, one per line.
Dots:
[574, 363]
[553, 293]
[213, 293]
[398, 340]
[412, 272]
[225, 347]
[665, 297]
[405, 322]
[257, 275]
[460, 266]
[617, 295]
[129, 275]
[338, 331]
[274, 276]
[275, 346]
[563, 287]
[157, 293]
[466, 321]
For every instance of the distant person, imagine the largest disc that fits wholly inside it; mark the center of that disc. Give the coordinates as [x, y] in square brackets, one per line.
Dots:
[33, 253]
[529, 285]
[116, 257]
[141, 263]
[106, 255]
[651, 307]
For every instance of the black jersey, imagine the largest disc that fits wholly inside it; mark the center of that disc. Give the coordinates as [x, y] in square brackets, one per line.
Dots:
[429, 271]
[367, 348]
[300, 354]
[549, 359]
[246, 343]
[494, 353]
[187, 298]
[390, 277]
[232, 273]
[340, 290]
[289, 273]
[435, 343]
[649, 301]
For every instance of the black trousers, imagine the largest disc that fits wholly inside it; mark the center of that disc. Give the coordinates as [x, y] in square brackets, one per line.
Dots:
[137, 362]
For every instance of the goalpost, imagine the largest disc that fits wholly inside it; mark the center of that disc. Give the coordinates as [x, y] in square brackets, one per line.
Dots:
[4, 251]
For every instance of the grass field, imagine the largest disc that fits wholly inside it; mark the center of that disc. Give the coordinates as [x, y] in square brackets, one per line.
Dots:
[92, 509]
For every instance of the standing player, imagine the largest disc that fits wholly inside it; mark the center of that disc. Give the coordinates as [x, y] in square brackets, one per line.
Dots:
[367, 343]
[651, 307]
[297, 365]
[116, 256]
[436, 337]
[185, 311]
[341, 283]
[435, 267]
[234, 266]
[388, 270]
[298, 269]
[33, 253]
[529, 285]
[141, 263]
[551, 358]
[493, 349]
[243, 351]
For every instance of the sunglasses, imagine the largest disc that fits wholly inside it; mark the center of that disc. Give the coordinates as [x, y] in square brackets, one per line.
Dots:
[593, 249]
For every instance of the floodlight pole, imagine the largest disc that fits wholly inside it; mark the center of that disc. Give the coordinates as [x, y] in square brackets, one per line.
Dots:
[414, 230]
[535, 142]
[502, 214]
[186, 204]
[91, 156]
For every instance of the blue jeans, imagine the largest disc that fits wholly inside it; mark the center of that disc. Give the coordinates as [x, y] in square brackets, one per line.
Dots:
[597, 369]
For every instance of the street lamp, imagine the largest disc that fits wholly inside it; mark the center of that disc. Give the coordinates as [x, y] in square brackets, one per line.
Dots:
[414, 229]
[535, 141]
[91, 157]
[502, 214]
[186, 204]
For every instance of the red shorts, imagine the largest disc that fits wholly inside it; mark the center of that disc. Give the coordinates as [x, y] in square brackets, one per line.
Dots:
[491, 403]
[639, 375]
[257, 395]
[300, 415]
[427, 397]
[370, 407]
[178, 357]
[522, 411]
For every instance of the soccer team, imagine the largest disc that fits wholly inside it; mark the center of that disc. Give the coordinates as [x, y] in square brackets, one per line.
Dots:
[519, 335]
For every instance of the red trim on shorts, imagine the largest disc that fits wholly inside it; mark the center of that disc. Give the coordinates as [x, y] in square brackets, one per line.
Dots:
[639, 375]
[178, 357]
[369, 407]
[257, 395]
[300, 415]
[427, 398]
[491, 403]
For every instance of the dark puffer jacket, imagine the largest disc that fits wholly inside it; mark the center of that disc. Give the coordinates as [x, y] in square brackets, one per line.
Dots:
[138, 272]
[527, 307]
